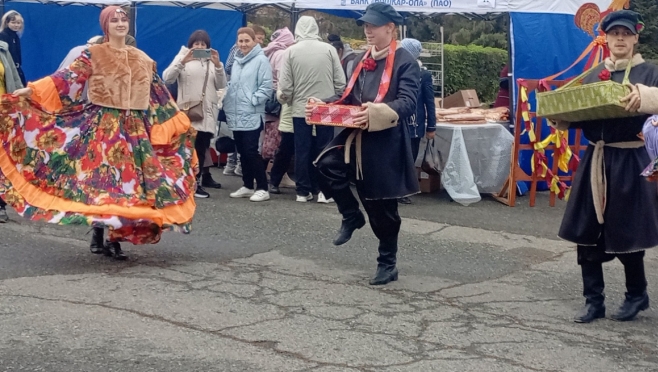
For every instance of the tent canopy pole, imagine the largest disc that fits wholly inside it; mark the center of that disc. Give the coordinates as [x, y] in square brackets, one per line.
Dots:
[133, 18]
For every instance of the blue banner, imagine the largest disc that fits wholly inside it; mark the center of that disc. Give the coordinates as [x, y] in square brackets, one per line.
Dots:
[52, 30]
[162, 30]
[543, 45]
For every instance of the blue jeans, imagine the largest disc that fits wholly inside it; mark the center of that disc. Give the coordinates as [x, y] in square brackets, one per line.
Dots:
[307, 148]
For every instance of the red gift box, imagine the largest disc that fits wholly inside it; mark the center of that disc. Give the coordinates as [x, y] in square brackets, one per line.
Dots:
[334, 115]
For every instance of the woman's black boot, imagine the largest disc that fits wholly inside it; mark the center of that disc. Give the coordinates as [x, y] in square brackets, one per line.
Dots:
[113, 249]
[96, 246]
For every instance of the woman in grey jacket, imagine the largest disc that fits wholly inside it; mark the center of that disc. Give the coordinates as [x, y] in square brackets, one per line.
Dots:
[249, 88]
[9, 82]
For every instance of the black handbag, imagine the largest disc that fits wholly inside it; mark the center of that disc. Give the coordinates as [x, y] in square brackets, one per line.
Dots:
[225, 145]
[221, 117]
[432, 160]
[272, 106]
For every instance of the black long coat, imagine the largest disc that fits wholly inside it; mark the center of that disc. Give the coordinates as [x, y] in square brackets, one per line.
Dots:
[388, 166]
[425, 120]
[11, 38]
[631, 211]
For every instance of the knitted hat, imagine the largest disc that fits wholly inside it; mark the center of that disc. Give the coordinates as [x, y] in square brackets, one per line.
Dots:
[412, 46]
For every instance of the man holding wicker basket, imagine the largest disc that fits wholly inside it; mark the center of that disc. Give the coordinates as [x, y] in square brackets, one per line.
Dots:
[612, 211]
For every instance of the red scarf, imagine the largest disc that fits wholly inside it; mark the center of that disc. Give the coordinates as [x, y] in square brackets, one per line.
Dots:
[384, 83]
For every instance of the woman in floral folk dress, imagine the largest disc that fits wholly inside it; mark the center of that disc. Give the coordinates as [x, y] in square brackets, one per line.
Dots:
[123, 161]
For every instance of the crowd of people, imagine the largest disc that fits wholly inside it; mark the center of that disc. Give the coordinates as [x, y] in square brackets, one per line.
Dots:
[114, 146]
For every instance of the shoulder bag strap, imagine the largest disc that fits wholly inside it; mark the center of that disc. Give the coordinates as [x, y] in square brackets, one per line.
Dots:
[205, 82]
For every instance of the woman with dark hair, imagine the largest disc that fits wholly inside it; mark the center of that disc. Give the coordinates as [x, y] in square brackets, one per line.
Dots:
[124, 160]
[11, 28]
[249, 89]
[385, 84]
[198, 80]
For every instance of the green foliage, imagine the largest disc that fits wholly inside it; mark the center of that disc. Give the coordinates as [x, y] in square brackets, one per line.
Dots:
[472, 67]
[461, 30]
[649, 37]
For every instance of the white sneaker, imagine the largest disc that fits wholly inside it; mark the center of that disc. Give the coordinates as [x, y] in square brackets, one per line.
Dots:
[229, 170]
[304, 199]
[322, 199]
[238, 170]
[260, 195]
[242, 192]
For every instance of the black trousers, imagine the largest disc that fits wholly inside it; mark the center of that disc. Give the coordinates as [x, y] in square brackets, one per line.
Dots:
[2, 203]
[415, 147]
[201, 145]
[591, 260]
[282, 158]
[335, 183]
[253, 166]
[307, 148]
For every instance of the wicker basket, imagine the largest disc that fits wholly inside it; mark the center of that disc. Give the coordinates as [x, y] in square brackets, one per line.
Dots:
[575, 102]
[334, 115]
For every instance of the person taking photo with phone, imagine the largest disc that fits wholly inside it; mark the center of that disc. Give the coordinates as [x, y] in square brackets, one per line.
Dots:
[199, 74]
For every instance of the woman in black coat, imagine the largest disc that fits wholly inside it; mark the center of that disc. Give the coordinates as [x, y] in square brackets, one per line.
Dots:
[11, 27]
[613, 211]
[380, 162]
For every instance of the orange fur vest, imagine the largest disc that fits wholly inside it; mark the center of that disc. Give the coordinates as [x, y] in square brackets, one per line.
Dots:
[120, 78]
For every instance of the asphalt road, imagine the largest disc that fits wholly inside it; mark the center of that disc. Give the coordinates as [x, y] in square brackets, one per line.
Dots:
[259, 287]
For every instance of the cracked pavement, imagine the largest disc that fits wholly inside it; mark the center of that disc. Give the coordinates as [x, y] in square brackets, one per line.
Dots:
[259, 287]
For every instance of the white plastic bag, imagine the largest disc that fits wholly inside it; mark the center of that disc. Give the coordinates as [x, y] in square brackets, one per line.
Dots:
[458, 179]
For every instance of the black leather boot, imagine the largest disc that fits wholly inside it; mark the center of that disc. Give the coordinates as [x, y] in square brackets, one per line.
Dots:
[96, 246]
[113, 249]
[207, 181]
[637, 298]
[3, 214]
[386, 270]
[593, 286]
[347, 227]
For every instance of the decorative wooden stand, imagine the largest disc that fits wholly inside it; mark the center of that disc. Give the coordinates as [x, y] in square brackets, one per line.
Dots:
[507, 195]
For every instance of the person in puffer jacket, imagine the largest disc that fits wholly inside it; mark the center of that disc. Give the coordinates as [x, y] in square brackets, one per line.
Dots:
[249, 88]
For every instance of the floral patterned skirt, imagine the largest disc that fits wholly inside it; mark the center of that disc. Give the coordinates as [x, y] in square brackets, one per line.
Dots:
[95, 166]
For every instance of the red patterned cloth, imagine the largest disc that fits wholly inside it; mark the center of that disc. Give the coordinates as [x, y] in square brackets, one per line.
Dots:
[336, 115]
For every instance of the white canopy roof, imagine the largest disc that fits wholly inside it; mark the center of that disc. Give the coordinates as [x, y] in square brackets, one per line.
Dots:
[412, 6]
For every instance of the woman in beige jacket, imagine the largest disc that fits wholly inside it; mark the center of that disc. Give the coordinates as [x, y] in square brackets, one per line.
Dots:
[190, 74]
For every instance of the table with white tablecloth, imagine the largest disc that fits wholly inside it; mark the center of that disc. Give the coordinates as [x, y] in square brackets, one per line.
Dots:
[476, 159]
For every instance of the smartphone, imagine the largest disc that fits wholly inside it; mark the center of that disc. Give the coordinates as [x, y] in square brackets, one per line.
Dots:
[201, 53]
